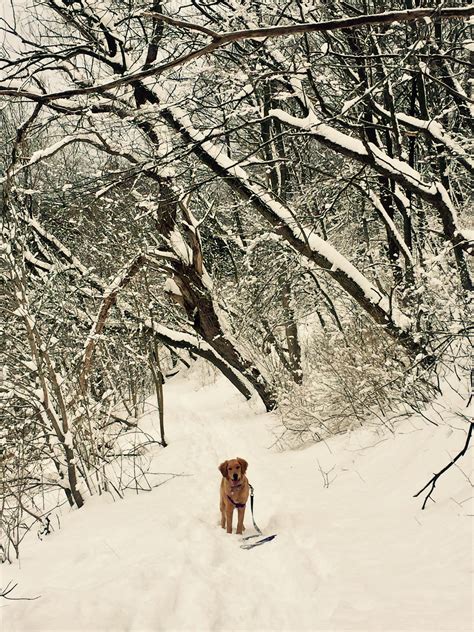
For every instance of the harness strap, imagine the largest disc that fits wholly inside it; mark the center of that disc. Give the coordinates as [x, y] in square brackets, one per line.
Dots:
[241, 505]
[238, 505]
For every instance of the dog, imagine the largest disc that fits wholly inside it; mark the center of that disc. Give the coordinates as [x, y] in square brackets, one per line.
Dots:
[234, 493]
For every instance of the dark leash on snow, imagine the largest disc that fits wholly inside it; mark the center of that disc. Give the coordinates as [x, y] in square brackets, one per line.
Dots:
[259, 533]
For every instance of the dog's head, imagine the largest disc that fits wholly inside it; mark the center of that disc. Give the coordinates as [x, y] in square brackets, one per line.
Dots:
[234, 469]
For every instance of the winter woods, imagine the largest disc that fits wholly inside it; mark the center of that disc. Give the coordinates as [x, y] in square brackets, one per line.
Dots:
[280, 188]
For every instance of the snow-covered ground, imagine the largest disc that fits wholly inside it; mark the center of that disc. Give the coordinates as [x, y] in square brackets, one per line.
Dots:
[359, 554]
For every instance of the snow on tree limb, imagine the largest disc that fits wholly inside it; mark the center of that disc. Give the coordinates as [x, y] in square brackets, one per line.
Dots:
[41, 154]
[315, 249]
[436, 132]
[388, 221]
[108, 300]
[169, 337]
[393, 168]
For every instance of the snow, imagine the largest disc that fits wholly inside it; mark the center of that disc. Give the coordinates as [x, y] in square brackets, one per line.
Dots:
[180, 247]
[393, 167]
[396, 166]
[468, 234]
[171, 286]
[437, 131]
[313, 124]
[30, 365]
[244, 92]
[376, 201]
[68, 439]
[20, 311]
[354, 550]
[347, 105]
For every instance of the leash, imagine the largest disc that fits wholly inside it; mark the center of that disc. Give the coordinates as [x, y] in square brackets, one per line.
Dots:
[259, 532]
[257, 529]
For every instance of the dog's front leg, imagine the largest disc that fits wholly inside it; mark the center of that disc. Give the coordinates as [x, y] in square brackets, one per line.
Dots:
[222, 508]
[229, 514]
[240, 520]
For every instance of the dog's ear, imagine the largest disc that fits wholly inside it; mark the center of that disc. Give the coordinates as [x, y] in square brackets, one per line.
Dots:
[243, 464]
[223, 469]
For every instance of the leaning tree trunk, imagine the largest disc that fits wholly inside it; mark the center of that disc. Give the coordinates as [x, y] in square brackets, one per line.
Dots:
[194, 289]
[201, 309]
[291, 332]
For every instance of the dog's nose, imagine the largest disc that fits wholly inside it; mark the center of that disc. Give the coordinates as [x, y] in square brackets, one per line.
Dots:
[236, 477]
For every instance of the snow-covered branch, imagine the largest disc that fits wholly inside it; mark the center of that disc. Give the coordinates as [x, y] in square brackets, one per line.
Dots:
[434, 130]
[397, 170]
[315, 249]
[42, 154]
[388, 221]
[167, 336]
[387, 17]
[108, 300]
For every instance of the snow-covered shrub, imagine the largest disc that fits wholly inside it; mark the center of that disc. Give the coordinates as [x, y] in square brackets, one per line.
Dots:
[356, 374]
[360, 378]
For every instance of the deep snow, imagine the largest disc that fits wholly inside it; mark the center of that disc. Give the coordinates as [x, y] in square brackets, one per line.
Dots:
[358, 554]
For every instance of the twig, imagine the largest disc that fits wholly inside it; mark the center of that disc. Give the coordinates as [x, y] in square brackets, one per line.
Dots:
[4, 592]
[325, 475]
[435, 477]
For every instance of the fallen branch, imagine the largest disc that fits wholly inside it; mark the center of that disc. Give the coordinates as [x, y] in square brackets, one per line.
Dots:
[435, 477]
[4, 592]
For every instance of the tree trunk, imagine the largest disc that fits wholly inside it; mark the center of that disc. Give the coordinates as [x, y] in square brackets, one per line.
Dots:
[291, 332]
[202, 312]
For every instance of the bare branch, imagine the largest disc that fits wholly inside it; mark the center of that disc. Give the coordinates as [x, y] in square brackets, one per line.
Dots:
[224, 39]
[9, 588]
[388, 17]
[435, 477]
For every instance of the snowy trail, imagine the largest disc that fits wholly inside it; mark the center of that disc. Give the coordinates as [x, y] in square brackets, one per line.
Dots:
[359, 555]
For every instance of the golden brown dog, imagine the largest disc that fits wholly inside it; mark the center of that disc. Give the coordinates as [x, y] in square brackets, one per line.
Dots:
[234, 493]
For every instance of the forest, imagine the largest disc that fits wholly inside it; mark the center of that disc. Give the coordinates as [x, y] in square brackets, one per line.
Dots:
[277, 188]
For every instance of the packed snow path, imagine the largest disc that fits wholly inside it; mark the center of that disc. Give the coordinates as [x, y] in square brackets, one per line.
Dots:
[357, 555]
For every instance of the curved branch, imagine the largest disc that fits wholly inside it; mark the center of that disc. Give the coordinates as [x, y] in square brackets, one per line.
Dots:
[435, 477]
[434, 130]
[166, 335]
[312, 247]
[387, 17]
[108, 300]
[41, 154]
[223, 39]
[396, 170]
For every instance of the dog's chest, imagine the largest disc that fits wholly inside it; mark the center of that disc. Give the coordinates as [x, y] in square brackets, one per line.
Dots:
[234, 492]
[237, 493]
